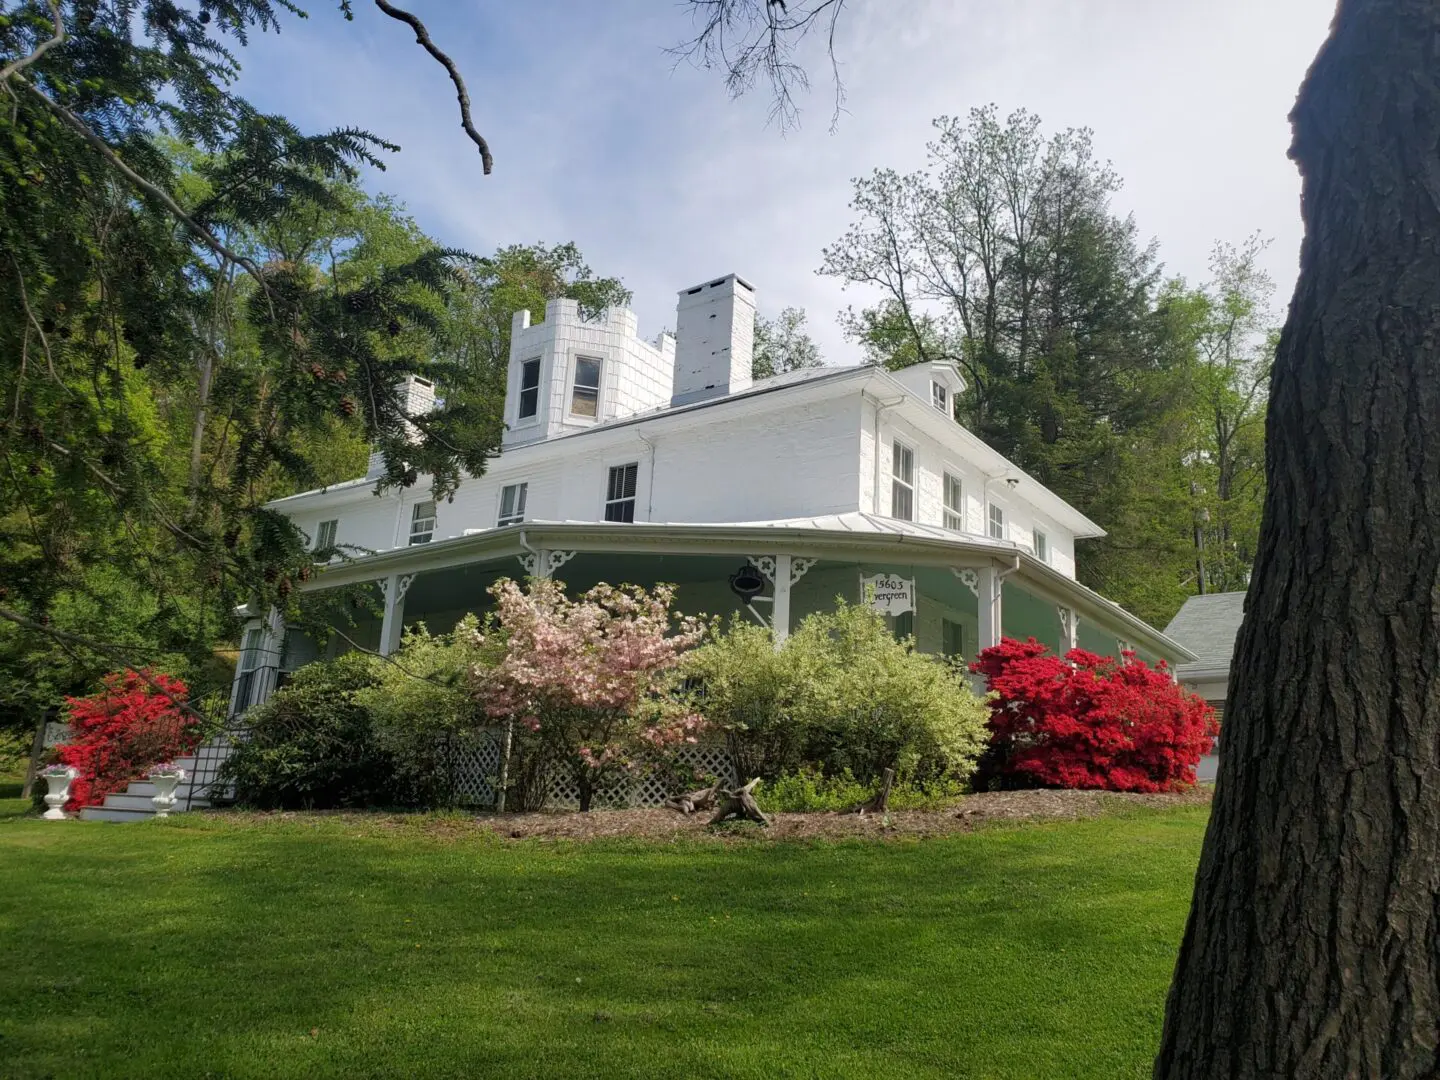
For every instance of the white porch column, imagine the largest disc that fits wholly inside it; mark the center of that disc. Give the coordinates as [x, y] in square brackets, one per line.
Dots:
[780, 617]
[392, 624]
[988, 592]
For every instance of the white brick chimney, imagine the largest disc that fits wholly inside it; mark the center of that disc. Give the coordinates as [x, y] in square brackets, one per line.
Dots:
[714, 340]
[417, 395]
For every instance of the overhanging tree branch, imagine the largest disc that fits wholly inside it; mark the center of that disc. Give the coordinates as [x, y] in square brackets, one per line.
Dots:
[45, 46]
[422, 37]
[103, 149]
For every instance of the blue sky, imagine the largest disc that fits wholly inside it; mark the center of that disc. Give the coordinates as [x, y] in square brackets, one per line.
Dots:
[664, 181]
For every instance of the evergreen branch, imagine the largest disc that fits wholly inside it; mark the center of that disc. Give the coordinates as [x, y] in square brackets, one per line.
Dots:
[23, 62]
[100, 146]
[422, 37]
[114, 653]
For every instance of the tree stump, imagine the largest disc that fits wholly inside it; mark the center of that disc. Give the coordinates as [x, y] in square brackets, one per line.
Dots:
[881, 802]
[740, 803]
[704, 799]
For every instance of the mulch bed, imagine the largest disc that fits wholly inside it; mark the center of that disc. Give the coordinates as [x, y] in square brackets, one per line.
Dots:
[973, 811]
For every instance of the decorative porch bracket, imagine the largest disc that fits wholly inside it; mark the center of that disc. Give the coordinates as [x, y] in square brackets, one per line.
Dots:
[782, 571]
[1069, 628]
[393, 589]
[545, 560]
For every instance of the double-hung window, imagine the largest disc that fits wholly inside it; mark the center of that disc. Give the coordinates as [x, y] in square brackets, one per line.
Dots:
[620, 492]
[902, 483]
[954, 503]
[1042, 546]
[530, 388]
[422, 522]
[512, 504]
[325, 535]
[939, 397]
[997, 522]
[585, 394]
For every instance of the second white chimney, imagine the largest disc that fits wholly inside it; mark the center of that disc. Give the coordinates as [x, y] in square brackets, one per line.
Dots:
[714, 340]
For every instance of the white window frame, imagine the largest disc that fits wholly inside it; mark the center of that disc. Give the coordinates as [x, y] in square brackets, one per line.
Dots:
[325, 534]
[619, 501]
[995, 520]
[520, 415]
[900, 451]
[519, 494]
[954, 514]
[417, 519]
[940, 396]
[570, 414]
[1042, 546]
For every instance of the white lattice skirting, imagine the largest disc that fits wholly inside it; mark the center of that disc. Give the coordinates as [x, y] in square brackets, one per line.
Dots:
[475, 763]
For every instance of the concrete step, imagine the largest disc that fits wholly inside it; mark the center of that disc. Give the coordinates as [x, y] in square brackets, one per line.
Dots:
[114, 813]
[131, 801]
[146, 788]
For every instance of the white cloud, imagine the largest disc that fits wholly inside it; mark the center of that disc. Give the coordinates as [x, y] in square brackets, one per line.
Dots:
[664, 181]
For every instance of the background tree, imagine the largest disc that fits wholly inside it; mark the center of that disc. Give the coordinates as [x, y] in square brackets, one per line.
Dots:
[781, 345]
[1004, 256]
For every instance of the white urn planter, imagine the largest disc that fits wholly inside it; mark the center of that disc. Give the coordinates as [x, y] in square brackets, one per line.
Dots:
[166, 779]
[57, 791]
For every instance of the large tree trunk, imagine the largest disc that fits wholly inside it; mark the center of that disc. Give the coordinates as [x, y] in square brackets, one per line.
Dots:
[1313, 946]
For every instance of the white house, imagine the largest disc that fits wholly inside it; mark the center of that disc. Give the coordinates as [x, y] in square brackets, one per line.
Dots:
[631, 461]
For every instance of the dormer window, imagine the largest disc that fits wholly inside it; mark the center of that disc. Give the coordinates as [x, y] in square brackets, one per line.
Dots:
[529, 388]
[940, 397]
[585, 394]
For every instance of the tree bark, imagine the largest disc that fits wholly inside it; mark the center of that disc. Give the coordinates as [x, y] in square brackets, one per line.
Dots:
[1313, 944]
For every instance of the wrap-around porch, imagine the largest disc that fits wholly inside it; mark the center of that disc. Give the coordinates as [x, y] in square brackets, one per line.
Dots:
[968, 592]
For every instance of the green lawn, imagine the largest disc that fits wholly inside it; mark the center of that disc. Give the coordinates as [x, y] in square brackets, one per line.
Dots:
[335, 947]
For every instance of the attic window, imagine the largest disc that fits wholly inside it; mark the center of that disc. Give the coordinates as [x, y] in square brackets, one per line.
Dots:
[585, 395]
[940, 397]
[1042, 546]
[529, 388]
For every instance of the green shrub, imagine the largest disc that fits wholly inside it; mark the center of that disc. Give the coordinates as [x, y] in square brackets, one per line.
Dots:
[811, 791]
[314, 745]
[840, 697]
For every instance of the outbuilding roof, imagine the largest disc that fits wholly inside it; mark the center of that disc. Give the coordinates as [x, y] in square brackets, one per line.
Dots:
[1207, 625]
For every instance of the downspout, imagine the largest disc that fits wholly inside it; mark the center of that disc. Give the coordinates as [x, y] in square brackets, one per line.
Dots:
[881, 407]
[650, 495]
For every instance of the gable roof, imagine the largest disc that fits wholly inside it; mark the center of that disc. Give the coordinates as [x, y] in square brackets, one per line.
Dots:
[1207, 625]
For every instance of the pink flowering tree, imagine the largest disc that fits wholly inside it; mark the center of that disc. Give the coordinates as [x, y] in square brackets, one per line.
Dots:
[590, 677]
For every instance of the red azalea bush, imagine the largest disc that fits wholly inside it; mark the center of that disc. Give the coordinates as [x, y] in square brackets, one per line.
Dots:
[123, 729]
[1088, 721]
